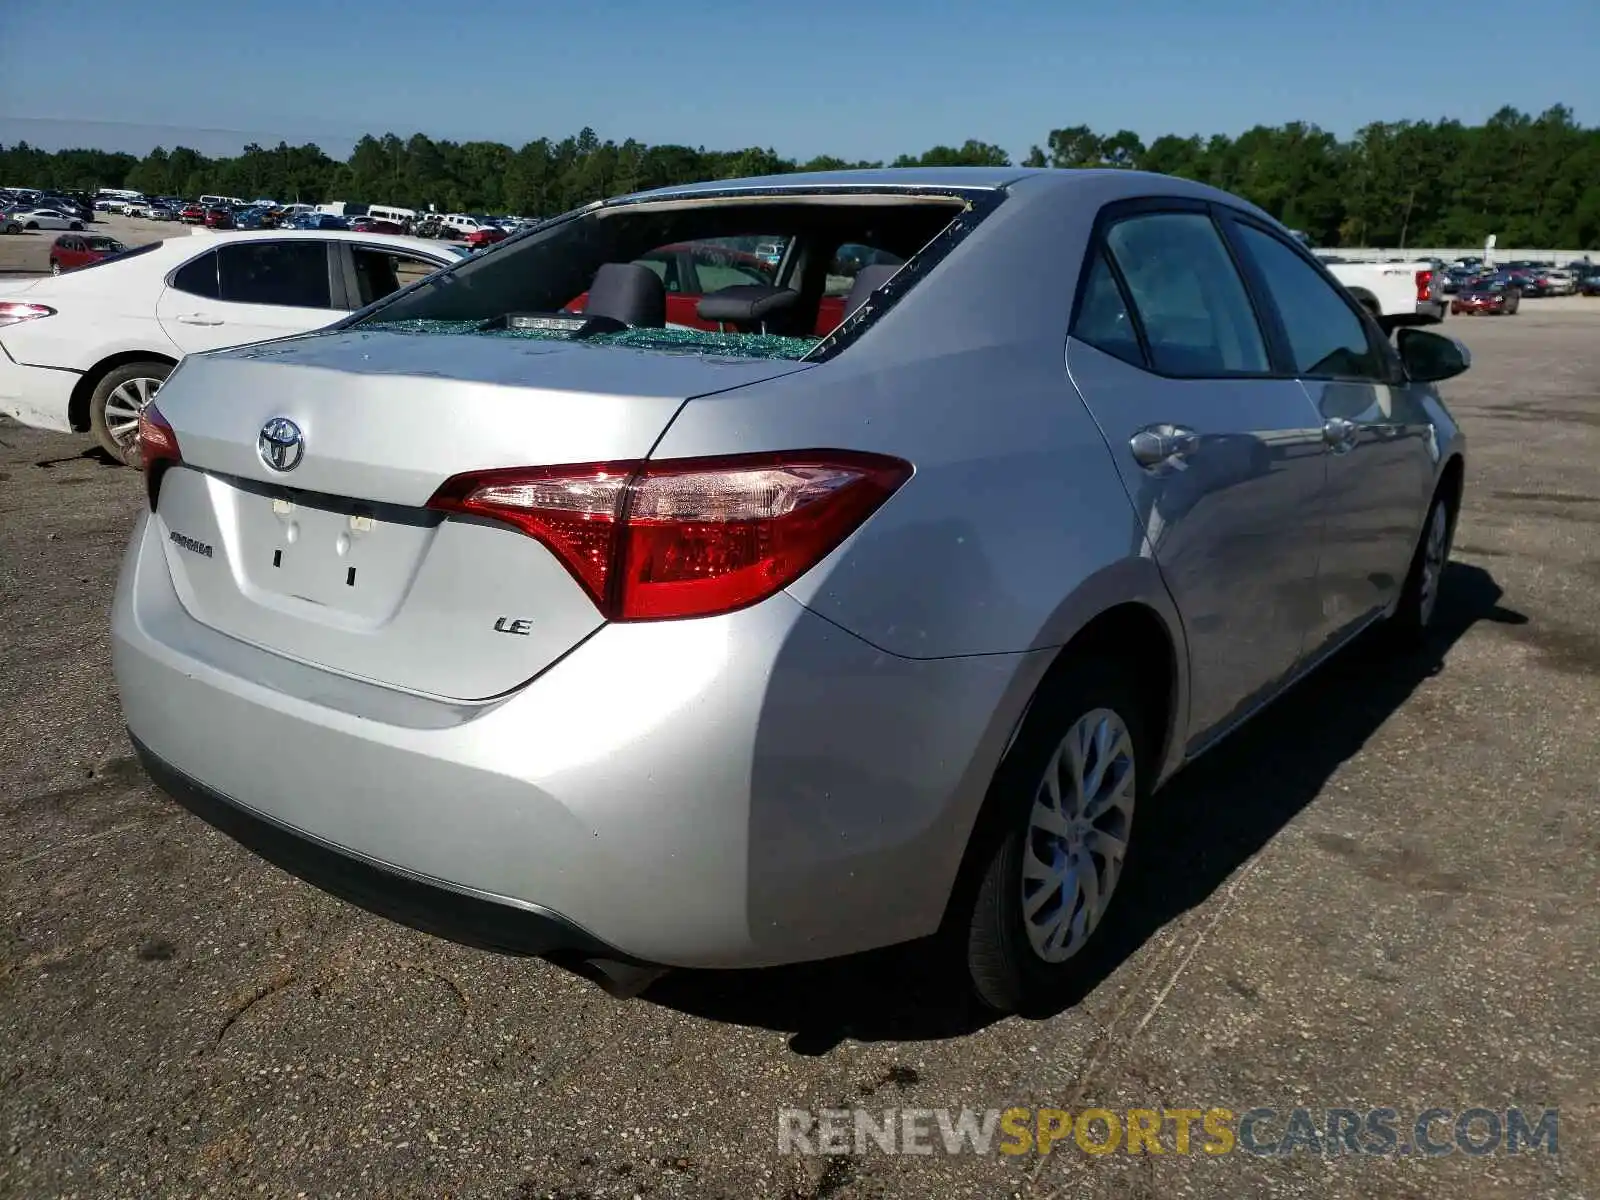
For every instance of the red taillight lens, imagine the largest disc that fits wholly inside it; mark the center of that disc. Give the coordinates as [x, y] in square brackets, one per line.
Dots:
[13, 311]
[158, 449]
[572, 510]
[707, 537]
[1424, 286]
[685, 538]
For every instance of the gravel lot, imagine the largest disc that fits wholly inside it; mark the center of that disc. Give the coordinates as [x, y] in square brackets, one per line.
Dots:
[1383, 894]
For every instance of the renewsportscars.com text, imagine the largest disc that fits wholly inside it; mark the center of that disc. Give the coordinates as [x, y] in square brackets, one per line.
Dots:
[1263, 1131]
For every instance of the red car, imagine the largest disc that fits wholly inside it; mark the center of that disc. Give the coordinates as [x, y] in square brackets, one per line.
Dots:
[1486, 297]
[80, 249]
[219, 218]
[192, 214]
[487, 236]
[374, 225]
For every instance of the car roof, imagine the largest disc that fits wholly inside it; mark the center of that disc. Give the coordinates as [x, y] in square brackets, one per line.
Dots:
[1096, 184]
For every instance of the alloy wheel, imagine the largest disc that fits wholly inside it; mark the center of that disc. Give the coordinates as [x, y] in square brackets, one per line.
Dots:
[1077, 838]
[123, 406]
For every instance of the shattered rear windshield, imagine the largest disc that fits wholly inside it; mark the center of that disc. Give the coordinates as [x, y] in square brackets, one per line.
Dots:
[749, 275]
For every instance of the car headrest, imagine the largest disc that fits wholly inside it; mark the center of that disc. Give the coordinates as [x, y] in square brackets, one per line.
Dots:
[868, 280]
[629, 293]
[745, 303]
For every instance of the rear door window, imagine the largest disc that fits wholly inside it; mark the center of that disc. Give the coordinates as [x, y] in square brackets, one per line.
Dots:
[284, 274]
[1197, 316]
[198, 277]
[380, 272]
[1103, 321]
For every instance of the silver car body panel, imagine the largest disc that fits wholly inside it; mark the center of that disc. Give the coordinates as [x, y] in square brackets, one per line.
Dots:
[797, 779]
[685, 791]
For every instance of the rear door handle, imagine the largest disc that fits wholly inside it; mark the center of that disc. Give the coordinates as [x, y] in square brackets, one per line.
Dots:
[1157, 444]
[199, 319]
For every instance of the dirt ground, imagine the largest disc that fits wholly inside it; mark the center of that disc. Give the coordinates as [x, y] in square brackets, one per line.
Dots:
[1380, 895]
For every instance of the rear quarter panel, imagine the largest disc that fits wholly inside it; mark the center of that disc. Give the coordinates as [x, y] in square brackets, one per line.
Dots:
[1015, 529]
[99, 313]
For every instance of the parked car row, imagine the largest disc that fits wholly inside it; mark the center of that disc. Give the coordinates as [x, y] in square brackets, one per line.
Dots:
[1476, 288]
[1533, 279]
[20, 212]
[72, 205]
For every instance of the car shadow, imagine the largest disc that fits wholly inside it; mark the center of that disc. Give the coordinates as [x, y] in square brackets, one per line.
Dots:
[1207, 823]
[94, 454]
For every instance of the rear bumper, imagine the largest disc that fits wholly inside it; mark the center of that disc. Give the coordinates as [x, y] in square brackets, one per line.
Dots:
[36, 396]
[489, 922]
[1431, 311]
[747, 790]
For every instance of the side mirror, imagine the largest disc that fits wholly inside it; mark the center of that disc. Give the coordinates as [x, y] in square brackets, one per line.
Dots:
[1429, 357]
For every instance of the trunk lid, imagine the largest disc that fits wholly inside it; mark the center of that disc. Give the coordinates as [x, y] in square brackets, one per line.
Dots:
[337, 562]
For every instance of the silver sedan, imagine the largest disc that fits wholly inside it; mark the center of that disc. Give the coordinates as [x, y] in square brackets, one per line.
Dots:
[665, 587]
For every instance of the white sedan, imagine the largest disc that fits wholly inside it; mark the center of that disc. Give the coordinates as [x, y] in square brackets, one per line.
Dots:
[85, 351]
[46, 218]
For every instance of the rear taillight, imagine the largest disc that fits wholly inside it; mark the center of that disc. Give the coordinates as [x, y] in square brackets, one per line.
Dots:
[158, 449]
[687, 537]
[1424, 286]
[13, 311]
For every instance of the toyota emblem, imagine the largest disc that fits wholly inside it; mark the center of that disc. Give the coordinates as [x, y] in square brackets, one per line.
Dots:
[281, 444]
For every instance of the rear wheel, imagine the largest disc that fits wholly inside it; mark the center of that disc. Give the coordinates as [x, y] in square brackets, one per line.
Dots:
[55, 267]
[1056, 841]
[116, 403]
[76, 226]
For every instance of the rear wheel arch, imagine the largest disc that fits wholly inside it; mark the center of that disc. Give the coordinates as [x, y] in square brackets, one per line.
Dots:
[83, 390]
[1367, 301]
[1123, 660]
[1134, 637]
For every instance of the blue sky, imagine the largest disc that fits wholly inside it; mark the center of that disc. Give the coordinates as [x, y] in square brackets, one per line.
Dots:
[868, 79]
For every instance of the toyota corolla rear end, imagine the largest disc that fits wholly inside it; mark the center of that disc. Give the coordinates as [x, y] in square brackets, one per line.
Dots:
[429, 620]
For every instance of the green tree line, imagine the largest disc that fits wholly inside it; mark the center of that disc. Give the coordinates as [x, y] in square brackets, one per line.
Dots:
[1531, 180]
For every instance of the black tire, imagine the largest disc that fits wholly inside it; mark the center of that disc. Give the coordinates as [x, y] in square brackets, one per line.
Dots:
[127, 454]
[1414, 615]
[31, 225]
[1004, 971]
[77, 227]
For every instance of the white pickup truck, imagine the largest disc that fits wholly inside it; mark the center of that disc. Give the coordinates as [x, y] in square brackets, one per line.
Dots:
[1396, 293]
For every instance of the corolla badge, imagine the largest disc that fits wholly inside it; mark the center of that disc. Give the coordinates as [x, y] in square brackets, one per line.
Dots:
[281, 444]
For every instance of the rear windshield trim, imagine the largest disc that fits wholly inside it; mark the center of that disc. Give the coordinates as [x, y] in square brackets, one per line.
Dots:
[979, 204]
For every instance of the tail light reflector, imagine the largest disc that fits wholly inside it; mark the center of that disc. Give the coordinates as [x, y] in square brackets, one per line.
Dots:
[1424, 286]
[687, 537]
[158, 449]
